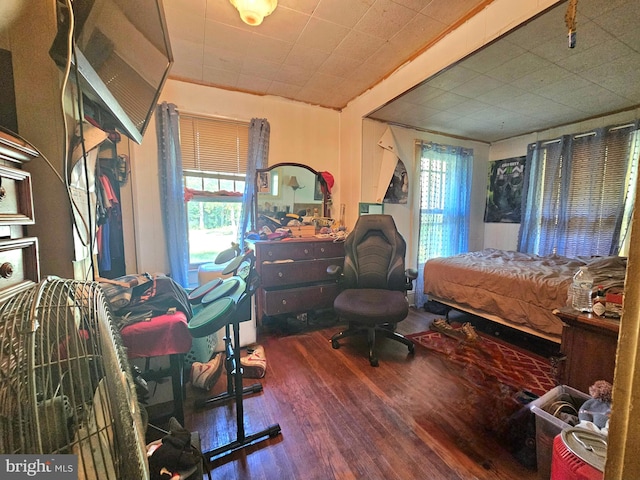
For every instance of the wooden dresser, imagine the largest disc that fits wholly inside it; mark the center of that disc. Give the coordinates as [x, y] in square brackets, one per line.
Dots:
[19, 266]
[293, 275]
[590, 343]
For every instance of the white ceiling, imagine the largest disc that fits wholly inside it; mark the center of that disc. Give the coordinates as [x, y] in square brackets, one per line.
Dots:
[322, 52]
[327, 52]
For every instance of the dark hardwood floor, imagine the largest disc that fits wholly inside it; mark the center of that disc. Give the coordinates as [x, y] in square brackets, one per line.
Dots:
[410, 418]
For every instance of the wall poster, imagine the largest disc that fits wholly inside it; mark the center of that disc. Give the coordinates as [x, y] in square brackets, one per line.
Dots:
[398, 190]
[504, 190]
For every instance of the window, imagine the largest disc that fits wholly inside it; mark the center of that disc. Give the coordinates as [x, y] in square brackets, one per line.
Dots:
[214, 163]
[579, 193]
[445, 203]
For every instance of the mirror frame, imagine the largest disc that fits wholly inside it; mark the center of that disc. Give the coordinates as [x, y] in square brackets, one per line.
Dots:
[273, 167]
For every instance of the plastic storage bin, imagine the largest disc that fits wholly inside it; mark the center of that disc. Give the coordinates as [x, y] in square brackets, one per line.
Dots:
[548, 425]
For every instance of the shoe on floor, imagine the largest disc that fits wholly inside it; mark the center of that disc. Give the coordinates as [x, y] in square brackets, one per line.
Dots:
[254, 363]
[205, 375]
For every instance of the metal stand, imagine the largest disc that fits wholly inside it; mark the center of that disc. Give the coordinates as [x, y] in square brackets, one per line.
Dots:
[235, 390]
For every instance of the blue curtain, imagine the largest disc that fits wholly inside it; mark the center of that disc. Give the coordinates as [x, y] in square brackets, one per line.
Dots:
[445, 175]
[174, 217]
[257, 156]
[576, 193]
[543, 174]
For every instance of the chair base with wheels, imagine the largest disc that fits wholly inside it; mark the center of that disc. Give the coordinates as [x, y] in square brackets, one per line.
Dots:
[374, 312]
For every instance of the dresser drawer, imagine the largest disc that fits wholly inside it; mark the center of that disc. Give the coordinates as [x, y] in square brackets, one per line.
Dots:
[329, 249]
[274, 275]
[286, 251]
[301, 299]
[16, 202]
[18, 265]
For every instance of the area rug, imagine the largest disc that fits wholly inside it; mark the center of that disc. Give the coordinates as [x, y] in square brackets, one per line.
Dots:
[498, 378]
[509, 364]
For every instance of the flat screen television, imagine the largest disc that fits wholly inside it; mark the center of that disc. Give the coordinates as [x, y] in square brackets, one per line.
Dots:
[123, 59]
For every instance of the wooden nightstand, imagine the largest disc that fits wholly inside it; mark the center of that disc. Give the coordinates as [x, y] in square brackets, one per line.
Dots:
[590, 344]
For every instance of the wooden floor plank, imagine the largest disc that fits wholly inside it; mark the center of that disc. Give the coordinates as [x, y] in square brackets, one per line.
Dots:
[343, 419]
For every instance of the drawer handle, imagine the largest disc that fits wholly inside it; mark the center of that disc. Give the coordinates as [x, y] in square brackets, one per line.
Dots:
[270, 253]
[280, 274]
[322, 249]
[3, 192]
[306, 251]
[284, 302]
[6, 270]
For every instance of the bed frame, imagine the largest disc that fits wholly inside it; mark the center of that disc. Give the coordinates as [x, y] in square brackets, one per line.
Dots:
[452, 305]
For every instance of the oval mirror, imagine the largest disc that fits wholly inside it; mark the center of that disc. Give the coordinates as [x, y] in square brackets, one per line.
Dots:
[288, 188]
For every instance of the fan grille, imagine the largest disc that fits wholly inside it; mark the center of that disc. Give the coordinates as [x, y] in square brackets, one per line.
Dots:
[66, 382]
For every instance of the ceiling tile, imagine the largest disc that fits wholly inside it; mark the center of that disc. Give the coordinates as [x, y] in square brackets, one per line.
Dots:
[518, 67]
[322, 35]
[335, 11]
[304, 6]
[221, 59]
[213, 75]
[261, 68]
[384, 19]
[253, 84]
[338, 65]
[477, 86]
[304, 57]
[358, 45]
[492, 56]
[291, 74]
[283, 89]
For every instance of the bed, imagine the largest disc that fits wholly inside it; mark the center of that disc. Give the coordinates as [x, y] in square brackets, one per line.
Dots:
[515, 289]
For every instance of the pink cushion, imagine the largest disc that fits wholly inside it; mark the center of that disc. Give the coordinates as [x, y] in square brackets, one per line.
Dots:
[162, 335]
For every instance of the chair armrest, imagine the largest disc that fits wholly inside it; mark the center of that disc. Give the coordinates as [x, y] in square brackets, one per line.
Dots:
[334, 270]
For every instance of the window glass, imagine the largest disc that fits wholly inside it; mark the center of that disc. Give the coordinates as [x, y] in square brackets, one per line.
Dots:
[214, 154]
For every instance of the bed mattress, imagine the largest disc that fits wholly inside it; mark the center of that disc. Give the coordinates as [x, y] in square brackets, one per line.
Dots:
[521, 289]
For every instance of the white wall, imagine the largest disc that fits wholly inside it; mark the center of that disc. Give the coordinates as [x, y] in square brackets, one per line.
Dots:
[299, 133]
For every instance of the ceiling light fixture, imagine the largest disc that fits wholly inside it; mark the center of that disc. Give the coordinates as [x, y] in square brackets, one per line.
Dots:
[252, 12]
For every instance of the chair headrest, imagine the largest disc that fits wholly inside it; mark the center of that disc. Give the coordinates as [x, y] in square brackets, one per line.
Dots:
[367, 223]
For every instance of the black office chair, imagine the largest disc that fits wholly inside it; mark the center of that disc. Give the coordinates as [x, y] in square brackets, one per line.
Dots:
[375, 283]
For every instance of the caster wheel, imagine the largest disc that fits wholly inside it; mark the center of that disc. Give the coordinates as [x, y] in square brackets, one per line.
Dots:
[412, 349]
[373, 362]
[335, 344]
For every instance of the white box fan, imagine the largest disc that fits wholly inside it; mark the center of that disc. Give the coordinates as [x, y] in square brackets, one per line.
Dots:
[65, 381]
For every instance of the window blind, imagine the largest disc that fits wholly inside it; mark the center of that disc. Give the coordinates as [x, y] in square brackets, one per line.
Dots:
[213, 145]
[597, 187]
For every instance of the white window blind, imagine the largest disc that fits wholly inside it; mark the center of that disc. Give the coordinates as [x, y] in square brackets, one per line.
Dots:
[213, 145]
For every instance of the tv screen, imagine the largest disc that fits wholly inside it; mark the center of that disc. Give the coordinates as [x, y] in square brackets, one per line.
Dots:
[123, 59]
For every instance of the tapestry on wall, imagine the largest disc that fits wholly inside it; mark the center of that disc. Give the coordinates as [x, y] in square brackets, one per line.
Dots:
[504, 191]
[398, 190]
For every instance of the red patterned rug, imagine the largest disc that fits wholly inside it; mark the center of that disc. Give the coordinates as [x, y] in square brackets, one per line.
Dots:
[508, 364]
[496, 375]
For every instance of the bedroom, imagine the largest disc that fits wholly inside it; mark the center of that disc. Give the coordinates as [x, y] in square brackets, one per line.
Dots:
[346, 139]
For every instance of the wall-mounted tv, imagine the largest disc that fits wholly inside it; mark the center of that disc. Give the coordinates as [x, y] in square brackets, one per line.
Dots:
[123, 59]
